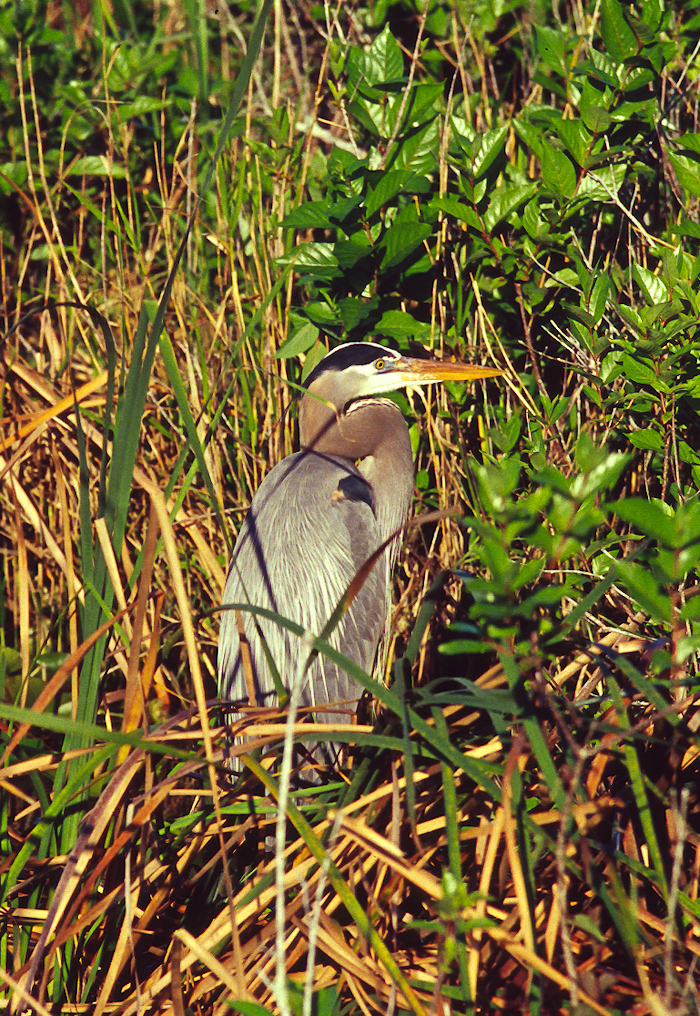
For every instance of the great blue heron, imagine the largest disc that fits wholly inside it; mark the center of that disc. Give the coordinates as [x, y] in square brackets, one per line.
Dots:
[317, 518]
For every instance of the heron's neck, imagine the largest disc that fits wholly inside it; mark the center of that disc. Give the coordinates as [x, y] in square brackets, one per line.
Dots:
[369, 427]
[372, 433]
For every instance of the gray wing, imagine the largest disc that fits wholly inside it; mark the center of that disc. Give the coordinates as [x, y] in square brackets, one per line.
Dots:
[310, 527]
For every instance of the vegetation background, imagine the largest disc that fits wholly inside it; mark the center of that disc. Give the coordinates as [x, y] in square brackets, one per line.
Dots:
[195, 199]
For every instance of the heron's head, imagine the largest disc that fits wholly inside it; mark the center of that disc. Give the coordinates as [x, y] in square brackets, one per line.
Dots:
[341, 412]
[359, 370]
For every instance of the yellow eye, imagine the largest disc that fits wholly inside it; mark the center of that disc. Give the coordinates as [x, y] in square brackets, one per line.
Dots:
[379, 364]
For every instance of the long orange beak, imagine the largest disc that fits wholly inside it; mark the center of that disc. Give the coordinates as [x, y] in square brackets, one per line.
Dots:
[424, 372]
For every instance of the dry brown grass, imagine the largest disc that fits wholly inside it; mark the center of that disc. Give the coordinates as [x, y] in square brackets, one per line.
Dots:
[473, 866]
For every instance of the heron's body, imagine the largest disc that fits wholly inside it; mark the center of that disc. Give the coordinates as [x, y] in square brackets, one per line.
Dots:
[315, 521]
[307, 587]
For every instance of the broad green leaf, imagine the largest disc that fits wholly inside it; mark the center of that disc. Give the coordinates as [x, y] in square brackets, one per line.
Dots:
[370, 114]
[691, 141]
[557, 171]
[644, 589]
[399, 323]
[642, 372]
[550, 44]
[505, 200]
[506, 433]
[640, 115]
[298, 343]
[599, 297]
[597, 119]
[654, 288]
[604, 69]
[140, 106]
[534, 222]
[462, 131]
[14, 171]
[618, 37]
[635, 78]
[322, 314]
[312, 257]
[96, 165]
[352, 310]
[631, 318]
[401, 240]
[603, 183]
[458, 210]
[530, 136]
[418, 147]
[652, 518]
[349, 252]
[687, 170]
[311, 215]
[647, 439]
[600, 477]
[486, 148]
[390, 184]
[422, 103]
[384, 62]
[529, 572]
[575, 137]
[564, 277]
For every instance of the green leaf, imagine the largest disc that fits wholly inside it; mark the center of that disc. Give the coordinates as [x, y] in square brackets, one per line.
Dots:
[599, 298]
[633, 321]
[600, 476]
[312, 258]
[352, 310]
[575, 138]
[530, 135]
[486, 148]
[557, 171]
[401, 240]
[140, 106]
[418, 147]
[647, 439]
[635, 78]
[550, 44]
[458, 210]
[505, 200]
[390, 184]
[655, 289]
[349, 252]
[603, 183]
[96, 165]
[369, 114]
[687, 171]
[642, 372]
[399, 324]
[248, 1008]
[652, 518]
[618, 37]
[589, 927]
[299, 342]
[691, 141]
[603, 68]
[311, 215]
[529, 572]
[12, 660]
[597, 119]
[643, 587]
[383, 60]
[322, 314]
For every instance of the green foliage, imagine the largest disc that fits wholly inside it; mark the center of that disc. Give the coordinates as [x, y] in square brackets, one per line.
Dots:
[525, 191]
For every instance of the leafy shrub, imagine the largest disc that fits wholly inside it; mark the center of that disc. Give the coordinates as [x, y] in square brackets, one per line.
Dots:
[520, 828]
